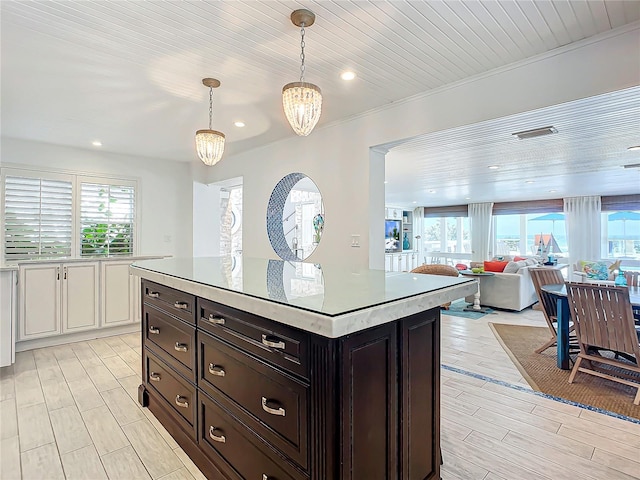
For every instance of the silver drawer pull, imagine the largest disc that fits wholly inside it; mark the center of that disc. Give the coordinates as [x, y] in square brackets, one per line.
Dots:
[181, 305]
[215, 319]
[275, 342]
[182, 401]
[154, 330]
[154, 377]
[273, 411]
[216, 370]
[180, 347]
[153, 294]
[216, 438]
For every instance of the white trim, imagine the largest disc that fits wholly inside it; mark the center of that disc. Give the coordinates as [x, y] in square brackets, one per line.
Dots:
[77, 337]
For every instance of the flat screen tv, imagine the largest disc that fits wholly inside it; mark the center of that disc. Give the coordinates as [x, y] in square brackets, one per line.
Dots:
[392, 233]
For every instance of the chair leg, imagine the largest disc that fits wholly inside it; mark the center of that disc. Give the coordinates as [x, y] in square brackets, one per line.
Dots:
[574, 370]
[546, 345]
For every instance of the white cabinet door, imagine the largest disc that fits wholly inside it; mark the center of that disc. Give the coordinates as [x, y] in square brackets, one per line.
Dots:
[80, 292]
[8, 317]
[118, 298]
[39, 287]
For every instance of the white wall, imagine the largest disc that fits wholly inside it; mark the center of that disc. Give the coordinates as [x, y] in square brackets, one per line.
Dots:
[164, 195]
[206, 225]
[350, 176]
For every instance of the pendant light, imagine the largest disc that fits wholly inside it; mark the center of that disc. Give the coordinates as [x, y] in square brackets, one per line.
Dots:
[210, 143]
[302, 101]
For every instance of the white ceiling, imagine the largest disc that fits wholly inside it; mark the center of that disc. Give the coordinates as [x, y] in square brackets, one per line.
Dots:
[129, 73]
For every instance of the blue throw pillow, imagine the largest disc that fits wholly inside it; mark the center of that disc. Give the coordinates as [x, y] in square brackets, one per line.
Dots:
[597, 271]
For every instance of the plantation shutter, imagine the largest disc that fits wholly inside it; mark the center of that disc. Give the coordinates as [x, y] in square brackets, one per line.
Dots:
[38, 218]
[107, 216]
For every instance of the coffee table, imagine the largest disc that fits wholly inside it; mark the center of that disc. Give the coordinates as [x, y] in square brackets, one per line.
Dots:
[476, 296]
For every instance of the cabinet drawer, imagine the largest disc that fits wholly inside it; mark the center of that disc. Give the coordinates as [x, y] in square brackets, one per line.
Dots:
[177, 303]
[164, 333]
[264, 338]
[222, 434]
[178, 393]
[271, 402]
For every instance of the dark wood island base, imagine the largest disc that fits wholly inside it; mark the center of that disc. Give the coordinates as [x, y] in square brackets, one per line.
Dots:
[250, 398]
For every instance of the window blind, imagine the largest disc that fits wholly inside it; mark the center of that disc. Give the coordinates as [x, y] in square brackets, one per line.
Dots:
[38, 218]
[107, 216]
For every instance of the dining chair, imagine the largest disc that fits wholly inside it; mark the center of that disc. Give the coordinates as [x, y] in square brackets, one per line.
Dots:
[541, 277]
[603, 319]
[633, 280]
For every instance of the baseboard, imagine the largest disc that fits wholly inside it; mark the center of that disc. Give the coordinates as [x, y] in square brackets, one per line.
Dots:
[76, 337]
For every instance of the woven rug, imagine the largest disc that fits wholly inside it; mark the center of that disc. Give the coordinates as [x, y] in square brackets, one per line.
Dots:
[457, 310]
[541, 372]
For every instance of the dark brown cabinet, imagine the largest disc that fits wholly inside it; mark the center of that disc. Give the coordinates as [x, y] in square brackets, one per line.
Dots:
[251, 398]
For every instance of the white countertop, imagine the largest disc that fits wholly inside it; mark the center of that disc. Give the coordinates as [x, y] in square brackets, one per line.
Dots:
[327, 300]
[16, 265]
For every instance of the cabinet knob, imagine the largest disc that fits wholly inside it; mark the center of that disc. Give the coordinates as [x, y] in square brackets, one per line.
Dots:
[216, 370]
[182, 401]
[154, 330]
[216, 438]
[153, 294]
[155, 377]
[181, 305]
[180, 347]
[216, 320]
[273, 411]
[273, 342]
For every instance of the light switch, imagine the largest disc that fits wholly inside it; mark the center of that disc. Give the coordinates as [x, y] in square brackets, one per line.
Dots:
[355, 241]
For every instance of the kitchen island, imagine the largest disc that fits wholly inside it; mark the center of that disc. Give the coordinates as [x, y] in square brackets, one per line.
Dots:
[265, 369]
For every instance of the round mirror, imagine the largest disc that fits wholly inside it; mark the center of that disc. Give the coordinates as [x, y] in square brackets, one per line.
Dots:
[295, 217]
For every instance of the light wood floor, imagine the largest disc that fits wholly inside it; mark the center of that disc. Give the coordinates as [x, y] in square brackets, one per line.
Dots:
[71, 412]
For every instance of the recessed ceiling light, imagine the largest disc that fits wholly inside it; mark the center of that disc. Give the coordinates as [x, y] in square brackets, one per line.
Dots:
[415, 201]
[552, 191]
[239, 124]
[96, 143]
[348, 75]
[432, 191]
[493, 167]
[635, 147]
[467, 198]
[385, 182]
[535, 132]
[530, 181]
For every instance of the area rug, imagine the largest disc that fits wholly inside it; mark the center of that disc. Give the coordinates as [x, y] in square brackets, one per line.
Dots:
[457, 310]
[541, 372]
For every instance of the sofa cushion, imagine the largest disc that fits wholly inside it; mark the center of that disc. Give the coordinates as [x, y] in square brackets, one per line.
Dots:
[597, 270]
[494, 266]
[514, 267]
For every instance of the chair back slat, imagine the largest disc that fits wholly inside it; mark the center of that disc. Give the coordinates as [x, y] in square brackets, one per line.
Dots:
[541, 277]
[603, 317]
[633, 278]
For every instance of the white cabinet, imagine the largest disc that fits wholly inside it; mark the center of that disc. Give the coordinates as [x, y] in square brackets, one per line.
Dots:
[401, 262]
[57, 298]
[8, 316]
[80, 295]
[393, 213]
[118, 293]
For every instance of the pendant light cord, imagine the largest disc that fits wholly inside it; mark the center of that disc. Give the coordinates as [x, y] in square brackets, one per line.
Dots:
[210, 106]
[302, 52]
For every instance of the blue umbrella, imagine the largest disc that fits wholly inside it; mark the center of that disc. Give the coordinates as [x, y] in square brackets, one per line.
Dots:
[624, 216]
[550, 217]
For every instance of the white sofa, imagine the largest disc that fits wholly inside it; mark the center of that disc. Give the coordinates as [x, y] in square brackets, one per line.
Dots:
[509, 291]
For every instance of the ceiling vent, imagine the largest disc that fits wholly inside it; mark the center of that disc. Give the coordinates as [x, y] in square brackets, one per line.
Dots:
[536, 132]
[632, 165]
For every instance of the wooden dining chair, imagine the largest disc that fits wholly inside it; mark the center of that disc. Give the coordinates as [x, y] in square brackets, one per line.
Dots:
[603, 319]
[633, 278]
[541, 277]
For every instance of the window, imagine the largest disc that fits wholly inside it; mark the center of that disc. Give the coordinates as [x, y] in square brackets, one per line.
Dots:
[49, 215]
[447, 239]
[38, 218]
[107, 214]
[516, 234]
[621, 234]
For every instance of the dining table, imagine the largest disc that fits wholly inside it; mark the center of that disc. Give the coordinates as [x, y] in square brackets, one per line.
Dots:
[559, 291]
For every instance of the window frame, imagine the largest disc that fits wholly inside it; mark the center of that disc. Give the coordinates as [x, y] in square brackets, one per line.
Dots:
[76, 178]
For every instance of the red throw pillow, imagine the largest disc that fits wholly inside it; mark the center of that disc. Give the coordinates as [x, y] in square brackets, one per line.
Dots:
[494, 266]
[519, 259]
[461, 266]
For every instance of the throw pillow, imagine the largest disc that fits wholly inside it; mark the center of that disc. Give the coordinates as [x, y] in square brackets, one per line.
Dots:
[496, 267]
[530, 261]
[518, 259]
[597, 271]
[512, 267]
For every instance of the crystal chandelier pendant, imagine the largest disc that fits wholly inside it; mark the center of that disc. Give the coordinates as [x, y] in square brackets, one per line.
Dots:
[210, 143]
[302, 101]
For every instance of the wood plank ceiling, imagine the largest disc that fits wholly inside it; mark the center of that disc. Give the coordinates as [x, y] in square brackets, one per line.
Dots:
[128, 72]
